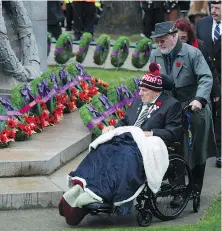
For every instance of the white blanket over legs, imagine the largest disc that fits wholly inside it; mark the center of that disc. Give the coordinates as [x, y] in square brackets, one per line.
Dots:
[153, 150]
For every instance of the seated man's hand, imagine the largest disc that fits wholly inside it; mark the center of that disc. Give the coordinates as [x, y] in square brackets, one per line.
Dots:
[107, 129]
[148, 133]
[195, 105]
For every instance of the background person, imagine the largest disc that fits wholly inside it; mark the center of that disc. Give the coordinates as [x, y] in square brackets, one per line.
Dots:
[209, 30]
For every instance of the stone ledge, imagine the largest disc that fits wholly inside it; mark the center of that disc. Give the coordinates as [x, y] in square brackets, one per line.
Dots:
[47, 151]
[36, 192]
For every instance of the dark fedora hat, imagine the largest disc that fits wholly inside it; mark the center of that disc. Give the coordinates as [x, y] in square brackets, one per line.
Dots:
[164, 28]
[214, 2]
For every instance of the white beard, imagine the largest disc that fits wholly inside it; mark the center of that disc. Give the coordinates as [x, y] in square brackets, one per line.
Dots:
[166, 51]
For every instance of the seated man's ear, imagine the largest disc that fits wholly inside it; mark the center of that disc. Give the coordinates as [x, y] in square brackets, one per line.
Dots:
[168, 83]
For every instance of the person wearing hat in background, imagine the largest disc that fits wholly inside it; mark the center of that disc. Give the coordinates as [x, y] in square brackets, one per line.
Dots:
[156, 113]
[193, 80]
[209, 30]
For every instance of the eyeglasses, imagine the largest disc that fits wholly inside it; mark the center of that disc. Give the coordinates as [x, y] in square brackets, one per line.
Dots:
[161, 41]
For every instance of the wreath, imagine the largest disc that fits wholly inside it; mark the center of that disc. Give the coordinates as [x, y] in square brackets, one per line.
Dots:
[49, 42]
[102, 49]
[63, 51]
[88, 113]
[120, 51]
[83, 47]
[141, 54]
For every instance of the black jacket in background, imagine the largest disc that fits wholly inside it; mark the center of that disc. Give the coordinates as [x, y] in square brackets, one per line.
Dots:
[54, 12]
[216, 89]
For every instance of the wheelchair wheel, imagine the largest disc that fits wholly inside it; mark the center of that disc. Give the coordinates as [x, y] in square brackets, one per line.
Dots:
[196, 204]
[196, 198]
[144, 218]
[175, 190]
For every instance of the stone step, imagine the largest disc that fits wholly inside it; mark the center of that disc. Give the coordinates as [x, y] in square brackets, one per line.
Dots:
[37, 191]
[47, 151]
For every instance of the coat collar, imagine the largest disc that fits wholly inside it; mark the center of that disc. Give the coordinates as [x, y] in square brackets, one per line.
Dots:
[183, 52]
[161, 99]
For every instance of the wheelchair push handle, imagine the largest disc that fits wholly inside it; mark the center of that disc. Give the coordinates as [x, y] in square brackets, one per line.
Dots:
[186, 109]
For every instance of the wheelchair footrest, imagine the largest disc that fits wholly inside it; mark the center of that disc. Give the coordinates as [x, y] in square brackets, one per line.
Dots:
[100, 206]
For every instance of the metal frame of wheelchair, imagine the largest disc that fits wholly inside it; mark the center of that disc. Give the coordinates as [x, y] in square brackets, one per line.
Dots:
[149, 204]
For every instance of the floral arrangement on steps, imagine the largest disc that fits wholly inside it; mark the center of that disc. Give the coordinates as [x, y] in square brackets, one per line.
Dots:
[42, 102]
[105, 111]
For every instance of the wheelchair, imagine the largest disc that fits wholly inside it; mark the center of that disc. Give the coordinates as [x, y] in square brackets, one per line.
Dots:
[177, 182]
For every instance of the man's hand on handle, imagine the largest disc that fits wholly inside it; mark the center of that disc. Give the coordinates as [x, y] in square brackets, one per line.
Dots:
[195, 105]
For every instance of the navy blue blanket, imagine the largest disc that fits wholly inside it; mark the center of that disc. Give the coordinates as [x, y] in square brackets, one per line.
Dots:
[114, 170]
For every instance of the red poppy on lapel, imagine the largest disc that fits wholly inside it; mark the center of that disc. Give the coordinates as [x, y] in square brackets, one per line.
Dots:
[178, 64]
[159, 103]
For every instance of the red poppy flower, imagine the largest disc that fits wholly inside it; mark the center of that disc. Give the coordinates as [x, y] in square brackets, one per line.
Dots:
[112, 122]
[12, 123]
[178, 64]
[159, 103]
[5, 132]
[3, 139]
[100, 126]
[11, 134]
[43, 105]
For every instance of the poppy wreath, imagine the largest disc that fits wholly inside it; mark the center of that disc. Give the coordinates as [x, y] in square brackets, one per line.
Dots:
[22, 95]
[63, 51]
[49, 42]
[83, 47]
[102, 104]
[16, 128]
[141, 54]
[120, 51]
[102, 49]
[88, 113]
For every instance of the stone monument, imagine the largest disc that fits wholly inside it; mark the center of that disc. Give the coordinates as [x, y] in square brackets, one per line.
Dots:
[23, 42]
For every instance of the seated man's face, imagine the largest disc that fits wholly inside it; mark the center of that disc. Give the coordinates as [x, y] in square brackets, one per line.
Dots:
[147, 95]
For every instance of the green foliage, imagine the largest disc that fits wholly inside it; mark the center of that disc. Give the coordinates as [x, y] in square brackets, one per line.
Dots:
[72, 70]
[131, 85]
[97, 103]
[83, 47]
[102, 49]
[141, 54]
[63, 51]
[17, 99]
[112, 95]
[120, 51]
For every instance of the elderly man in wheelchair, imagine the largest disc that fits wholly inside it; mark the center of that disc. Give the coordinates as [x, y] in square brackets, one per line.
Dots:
[132, 161]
